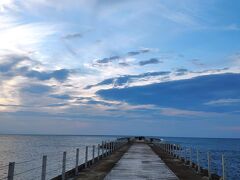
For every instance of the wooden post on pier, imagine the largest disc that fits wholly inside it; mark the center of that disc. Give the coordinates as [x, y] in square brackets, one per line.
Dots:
[190, 157]
[223, 167]
[175, 151]
[11, 170]
[44, 167]
[180, 152]
[102, 149]
[64, 165]
[93, 154]
[77, 161]
[185, 158]
[170, 149]
[98, 152]
[209, 167]
[198, 164]
[86, 157]
[111, 147]
[105, 148]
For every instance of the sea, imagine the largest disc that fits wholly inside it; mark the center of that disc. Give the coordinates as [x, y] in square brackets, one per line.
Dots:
[27, 151]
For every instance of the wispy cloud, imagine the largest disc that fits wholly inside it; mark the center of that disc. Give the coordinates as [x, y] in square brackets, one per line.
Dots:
[117, 57]
[150, 61]
[125, 80]
[73, 36]
[185, 113]
[197, 62]
[223, 102]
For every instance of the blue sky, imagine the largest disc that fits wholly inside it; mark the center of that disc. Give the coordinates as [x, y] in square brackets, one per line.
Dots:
[156, 67]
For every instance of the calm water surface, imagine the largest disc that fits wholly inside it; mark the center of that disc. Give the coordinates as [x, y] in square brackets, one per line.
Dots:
[216, 147]
[27, 152]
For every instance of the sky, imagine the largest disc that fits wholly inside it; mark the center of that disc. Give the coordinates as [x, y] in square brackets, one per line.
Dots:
[129, 67]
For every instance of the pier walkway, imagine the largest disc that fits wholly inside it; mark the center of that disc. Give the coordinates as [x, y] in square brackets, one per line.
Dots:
[140, 162]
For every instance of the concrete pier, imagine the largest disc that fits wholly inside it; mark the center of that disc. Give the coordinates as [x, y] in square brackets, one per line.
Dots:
[140, 162]
[125, 158]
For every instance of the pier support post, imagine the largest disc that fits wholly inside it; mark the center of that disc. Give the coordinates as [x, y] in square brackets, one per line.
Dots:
[170, 149]
[93, 154]
[190, 157]
[77, 161]
[185, 150]
[44, 168]
[111, 147]
[86, 157]
[98, 152]
[223, 167]
[64, 165]
[180, 152]
[198, 163]
[209, 165]
[107, 148]
[102, 149]
[11, 170]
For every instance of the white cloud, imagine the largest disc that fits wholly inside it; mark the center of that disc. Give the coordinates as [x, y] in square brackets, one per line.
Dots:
[182, 112]
[5, 5]
[223, 102]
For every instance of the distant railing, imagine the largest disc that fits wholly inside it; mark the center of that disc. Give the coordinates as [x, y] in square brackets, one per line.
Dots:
[201, 161]
[59, 165]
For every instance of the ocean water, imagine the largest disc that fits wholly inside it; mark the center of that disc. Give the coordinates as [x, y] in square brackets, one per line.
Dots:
[216, 147]
[27, 151]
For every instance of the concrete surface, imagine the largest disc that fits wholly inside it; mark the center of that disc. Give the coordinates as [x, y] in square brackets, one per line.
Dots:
[139, 163]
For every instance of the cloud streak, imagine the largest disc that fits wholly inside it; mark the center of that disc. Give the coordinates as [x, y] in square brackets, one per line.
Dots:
[223, 102]
[117, 58]
[124, 80]
[150, 61]
[73, 36]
